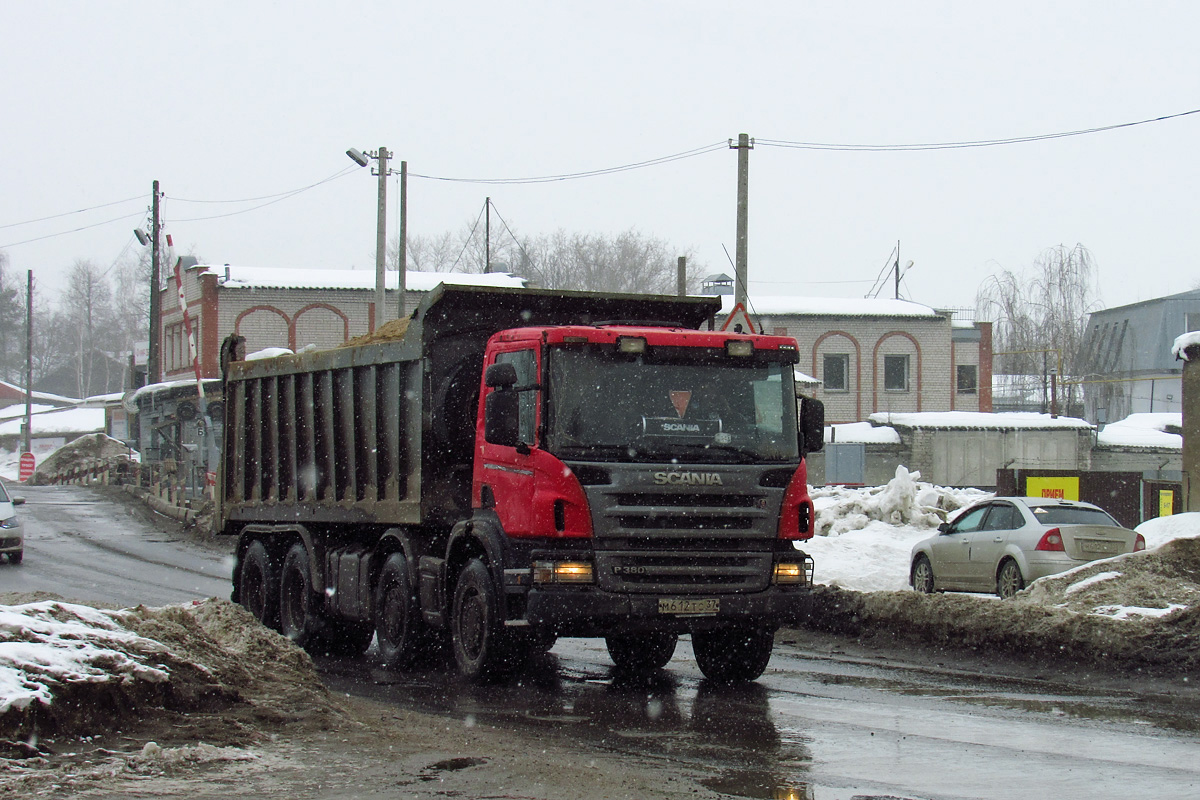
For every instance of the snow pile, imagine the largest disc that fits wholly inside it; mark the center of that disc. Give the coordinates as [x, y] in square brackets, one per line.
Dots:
[1135, 611]
[67, 668]
[864, 535]
[861, 433]
[44, 646]
[82, 453]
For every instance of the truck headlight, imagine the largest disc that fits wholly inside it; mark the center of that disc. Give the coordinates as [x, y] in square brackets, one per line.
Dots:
[793, 573]
[562, 572]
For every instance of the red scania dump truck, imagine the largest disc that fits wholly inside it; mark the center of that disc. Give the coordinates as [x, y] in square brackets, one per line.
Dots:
[516, 465]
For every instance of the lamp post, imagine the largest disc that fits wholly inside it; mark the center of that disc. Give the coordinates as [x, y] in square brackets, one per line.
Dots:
[381, 169]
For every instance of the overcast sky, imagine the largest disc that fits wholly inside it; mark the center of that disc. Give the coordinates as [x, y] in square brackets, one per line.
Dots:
[231, 100]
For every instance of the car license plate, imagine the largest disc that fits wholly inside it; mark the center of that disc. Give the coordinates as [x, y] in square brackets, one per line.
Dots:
[685, 605]
[1099, 548]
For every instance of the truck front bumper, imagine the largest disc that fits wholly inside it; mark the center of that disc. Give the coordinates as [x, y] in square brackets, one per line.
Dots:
[593, 612]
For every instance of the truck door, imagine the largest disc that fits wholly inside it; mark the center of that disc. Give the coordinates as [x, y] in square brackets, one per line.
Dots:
[508, 474]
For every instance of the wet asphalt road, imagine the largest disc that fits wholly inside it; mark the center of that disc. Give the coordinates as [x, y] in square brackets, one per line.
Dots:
[819, 724]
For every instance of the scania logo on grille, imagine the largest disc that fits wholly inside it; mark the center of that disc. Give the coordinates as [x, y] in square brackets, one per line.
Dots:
[688, 478]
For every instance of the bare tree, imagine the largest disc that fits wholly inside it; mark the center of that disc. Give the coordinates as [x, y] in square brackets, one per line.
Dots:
[1039, 316]
[87, 305]
[12, 325]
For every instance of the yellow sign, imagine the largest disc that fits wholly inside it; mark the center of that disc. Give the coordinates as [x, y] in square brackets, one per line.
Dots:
[1057, 488]
[1166, 502]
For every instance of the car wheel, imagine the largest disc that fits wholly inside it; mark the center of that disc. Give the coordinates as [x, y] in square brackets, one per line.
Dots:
[1009, 581]
[922, 575]
[258, 585]
[483, 649]
[641, 652]
[730, 655]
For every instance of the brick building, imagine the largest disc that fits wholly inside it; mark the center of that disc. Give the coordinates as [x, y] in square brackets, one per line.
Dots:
[289, 308]
[873, 355]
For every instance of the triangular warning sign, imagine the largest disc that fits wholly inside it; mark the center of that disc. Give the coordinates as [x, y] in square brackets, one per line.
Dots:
[739, 321]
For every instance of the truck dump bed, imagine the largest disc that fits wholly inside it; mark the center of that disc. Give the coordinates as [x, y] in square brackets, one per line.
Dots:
[382, 432]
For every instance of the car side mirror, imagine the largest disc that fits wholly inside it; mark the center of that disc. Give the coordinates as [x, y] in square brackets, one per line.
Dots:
[944, 527]
[18, 501]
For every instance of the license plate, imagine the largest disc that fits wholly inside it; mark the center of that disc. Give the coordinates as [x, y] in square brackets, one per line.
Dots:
[1100, 548]
[685, 605]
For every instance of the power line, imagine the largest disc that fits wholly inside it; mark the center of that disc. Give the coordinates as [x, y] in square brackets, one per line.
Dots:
[470, 238]
[73, 230]
[653, 162]
[965, 144]
[279, 198]
[288, 193]
[69, 213]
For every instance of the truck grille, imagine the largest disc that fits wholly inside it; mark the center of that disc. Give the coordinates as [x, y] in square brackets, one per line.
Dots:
[718, 540]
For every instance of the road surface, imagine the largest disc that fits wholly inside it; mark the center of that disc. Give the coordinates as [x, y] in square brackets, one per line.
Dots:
[826, 722]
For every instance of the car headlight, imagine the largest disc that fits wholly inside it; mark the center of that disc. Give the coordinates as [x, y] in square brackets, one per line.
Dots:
[11, 522]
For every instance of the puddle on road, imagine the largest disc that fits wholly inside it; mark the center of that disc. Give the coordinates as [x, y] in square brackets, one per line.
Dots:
[765, 785]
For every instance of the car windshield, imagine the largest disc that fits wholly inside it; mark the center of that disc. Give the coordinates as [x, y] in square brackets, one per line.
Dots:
[1072, 515]
[693, 405]
[3, 494]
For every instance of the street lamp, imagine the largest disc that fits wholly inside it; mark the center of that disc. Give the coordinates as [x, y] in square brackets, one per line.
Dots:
[381, 156]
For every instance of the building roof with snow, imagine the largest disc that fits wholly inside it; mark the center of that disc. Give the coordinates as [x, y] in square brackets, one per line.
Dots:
[1161, 431]
[974, 420]
[832, 307]
[232, 277]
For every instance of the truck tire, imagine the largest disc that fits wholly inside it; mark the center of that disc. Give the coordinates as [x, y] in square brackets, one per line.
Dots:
[731, 655]
[641, 652]
[483, 649]
[258, 585]
[402, 634]
[298, 618]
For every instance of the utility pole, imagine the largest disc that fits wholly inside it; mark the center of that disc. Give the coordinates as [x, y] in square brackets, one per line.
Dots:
[403, 255]
[744, 145]
[381, 237]
[154, 357]
[29, 365]
[681, 276]
[487, 234]
[897, 294]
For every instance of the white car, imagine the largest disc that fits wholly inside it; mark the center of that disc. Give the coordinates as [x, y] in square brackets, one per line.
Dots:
[12, 535]
[1003, 544]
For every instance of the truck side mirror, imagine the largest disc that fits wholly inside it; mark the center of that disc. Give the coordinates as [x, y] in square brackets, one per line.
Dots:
[500, 376]
[501, 413]
[812, 425]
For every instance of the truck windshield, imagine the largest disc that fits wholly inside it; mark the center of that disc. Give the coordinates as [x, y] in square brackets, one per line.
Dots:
[674, 403]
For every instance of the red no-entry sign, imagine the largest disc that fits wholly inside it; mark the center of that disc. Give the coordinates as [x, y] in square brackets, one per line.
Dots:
[27, 465]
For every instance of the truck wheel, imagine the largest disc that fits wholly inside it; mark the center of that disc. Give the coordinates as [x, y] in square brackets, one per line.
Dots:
[258, 585]
[641, 652]
[403, 636]
[730, 655]
[298, 619]
[482, 648]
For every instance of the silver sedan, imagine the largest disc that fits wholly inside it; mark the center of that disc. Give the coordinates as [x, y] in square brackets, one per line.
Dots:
[1003, 544]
